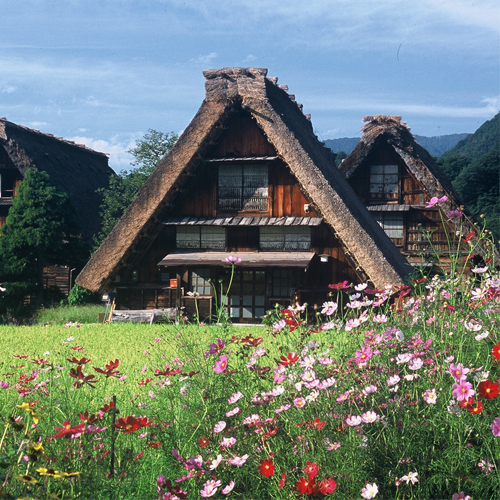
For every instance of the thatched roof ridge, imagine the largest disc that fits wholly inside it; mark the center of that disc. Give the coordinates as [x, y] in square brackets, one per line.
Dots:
[291, 134]
[75, 168]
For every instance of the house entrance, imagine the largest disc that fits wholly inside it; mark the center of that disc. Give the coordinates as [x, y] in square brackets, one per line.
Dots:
[247, 295]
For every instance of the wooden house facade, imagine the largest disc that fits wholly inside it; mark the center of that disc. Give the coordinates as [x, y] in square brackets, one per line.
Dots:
[396, 178]
[76, 169]
[249, 179]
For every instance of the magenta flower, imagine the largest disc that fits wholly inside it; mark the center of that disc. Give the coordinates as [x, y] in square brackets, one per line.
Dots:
[463, 390]
[221, 365]
[495, 427]
[435, 200]
[4, 385]
[215, 348]
[299, 402]
[233, 259]
[458, 371]
[455, 214]
[363, 355]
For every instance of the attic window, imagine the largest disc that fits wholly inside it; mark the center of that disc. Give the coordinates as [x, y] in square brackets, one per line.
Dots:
[243, 187]
[209, 237]
[285, 238]
[384, 182]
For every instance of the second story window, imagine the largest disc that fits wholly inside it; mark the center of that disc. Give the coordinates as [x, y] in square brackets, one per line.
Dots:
[243, 187]
[384, 182]
[203, 237]
[285, 238]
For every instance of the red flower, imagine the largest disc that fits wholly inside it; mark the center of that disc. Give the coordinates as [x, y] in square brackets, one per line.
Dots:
[81, 377]
[110, 369]
[167, 372]
[86, 419]
[469, 236]
[131, 424]
[478, 408]
[495, 352]
[340, 286]
[305, 486]
[190, 374]
[286, 313]
[488, 389]
[252, 342]
[327, 486]
[291, 359]
[155, 445]
[311, 469]
[317, 424]
[69, 431]
[266, 468]
[203, 442]
[107, 407]
[282, 481]
[144, 382]
[82, 361]
[77, 348]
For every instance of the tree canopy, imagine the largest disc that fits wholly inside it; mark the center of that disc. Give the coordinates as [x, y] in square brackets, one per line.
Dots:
[41, 229]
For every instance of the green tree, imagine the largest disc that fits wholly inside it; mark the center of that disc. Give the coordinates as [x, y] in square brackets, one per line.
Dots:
[123, 187]
[41, 229]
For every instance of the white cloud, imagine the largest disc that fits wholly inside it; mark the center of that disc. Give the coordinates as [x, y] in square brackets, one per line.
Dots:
[8, 89]
[116, 148]
[38, 124]
[205, 59]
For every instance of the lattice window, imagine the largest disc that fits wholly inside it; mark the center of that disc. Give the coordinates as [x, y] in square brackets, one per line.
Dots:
[285, 238]
[199, 281]
[391, 223]
[243, 187]
[384, 181]
[282, 282]
[210, 237]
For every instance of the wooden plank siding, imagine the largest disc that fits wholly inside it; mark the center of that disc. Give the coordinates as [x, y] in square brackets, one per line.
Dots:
[417, 220]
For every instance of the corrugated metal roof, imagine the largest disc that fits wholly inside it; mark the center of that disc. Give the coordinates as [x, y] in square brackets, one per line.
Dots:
[394, 207]
[243, 221]
[248, 259]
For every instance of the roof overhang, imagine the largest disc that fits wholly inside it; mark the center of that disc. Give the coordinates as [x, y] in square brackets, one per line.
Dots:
[243, 221]
[248, 259]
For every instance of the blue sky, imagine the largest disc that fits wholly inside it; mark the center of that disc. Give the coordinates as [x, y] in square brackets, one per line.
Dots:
[103, 72]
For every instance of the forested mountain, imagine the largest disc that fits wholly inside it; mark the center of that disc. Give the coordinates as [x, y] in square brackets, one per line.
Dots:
[436, 145]
[473, 165]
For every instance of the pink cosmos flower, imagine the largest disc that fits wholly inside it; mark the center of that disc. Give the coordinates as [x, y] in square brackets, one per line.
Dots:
[430, 396]
[435, 200]
[235, 397]
[227, 442]
[369, 491]
[252, 419]
[369, 417]
[219, 426]
[277, 327]
[416, 364]
[455, 214]
[282, 408]
[393, 380]
[353, 420]
[363, 355]
[215, 463]
[325, 361]
[227, 489]
[299, 402]
[380, 318]
[495, 427]
[239, 461]
[210, 488]
[233, 259]
[458, 371]
[329, 308]
[463, 390]
[460, 496]
[4, 385]
[369, 389]
[220, 365]
[233, 412]
[259, 352]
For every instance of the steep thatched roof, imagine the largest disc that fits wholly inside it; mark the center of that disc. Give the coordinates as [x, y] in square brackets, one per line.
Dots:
[229, 90]
[72, 167]
[383, 129]
[390, 130]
